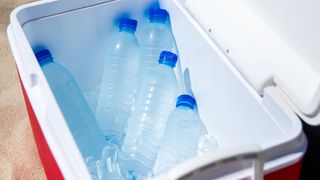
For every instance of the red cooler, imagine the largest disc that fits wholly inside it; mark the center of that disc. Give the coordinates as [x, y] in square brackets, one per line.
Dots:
[250, 83]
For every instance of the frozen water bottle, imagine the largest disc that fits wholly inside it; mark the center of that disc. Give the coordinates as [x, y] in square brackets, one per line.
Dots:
[146, 125]
[156, 37]
[118, 82]
[74, 107]
[180, 141]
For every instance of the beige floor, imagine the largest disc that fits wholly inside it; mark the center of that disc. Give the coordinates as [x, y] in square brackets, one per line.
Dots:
[18, 153]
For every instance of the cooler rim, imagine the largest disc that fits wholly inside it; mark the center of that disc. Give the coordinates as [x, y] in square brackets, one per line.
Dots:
[15, 31]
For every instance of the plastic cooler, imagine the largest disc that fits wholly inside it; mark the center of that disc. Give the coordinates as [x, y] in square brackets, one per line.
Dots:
[254, 122]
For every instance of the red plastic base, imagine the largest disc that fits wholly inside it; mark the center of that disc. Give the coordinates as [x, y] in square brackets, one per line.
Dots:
[53, 172]
[291, 172]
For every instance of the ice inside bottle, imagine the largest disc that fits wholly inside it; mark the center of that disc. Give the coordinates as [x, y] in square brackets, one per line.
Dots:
[156, 37]
[146, 125]
[180, 141]
[119, 81]
[80, 119]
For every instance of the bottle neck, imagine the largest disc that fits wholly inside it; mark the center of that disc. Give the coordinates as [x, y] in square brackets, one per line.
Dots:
[184, 107]
[127, 30]
[45, 61]
[157, 20]
[167, 65]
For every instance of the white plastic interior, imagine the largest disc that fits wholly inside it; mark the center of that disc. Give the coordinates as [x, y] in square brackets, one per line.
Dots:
[230, 109]
[270, 43]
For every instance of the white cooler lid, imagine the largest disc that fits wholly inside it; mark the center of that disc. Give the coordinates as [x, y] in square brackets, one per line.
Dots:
[271, 43]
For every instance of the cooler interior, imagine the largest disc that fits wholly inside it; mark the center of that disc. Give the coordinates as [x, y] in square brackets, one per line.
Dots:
[230, 109]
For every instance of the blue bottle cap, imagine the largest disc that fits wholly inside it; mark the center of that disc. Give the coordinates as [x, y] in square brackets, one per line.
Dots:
[44, 56]
[186, 100]
[168, 58]
[128, 24]
[158, 15]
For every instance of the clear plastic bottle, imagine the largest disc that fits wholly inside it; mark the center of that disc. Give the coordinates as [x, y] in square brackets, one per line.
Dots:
[74, 107]
[119, 82]
[151, 109]
[156, 37]
[180, 141]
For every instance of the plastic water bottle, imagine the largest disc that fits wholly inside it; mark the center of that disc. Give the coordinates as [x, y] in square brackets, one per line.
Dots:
[147, 122]
[119, 82]
[74, 107]
[156, 37]
[180, 141]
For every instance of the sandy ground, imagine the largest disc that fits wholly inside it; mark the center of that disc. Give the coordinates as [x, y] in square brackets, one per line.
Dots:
[18, 154]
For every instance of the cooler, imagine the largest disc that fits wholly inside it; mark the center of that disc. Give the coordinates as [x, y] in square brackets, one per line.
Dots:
[248, 96]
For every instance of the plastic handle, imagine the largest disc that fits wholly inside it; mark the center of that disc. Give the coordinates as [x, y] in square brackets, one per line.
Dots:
[25, 59]
[198, 167]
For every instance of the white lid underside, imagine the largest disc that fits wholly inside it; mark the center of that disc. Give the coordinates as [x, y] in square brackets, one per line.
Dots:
[271, 43]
